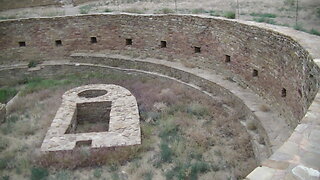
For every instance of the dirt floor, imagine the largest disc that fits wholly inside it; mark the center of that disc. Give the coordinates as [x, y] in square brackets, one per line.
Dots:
[185, 134]
[281, 12]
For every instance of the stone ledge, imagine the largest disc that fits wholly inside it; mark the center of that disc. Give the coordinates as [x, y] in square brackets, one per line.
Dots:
[2, 113]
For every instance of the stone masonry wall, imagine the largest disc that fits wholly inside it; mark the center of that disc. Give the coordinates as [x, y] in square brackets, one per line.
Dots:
[272, 64]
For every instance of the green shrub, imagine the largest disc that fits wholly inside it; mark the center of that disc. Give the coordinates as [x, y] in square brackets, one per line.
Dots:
[214, 13]
[299, 27]
[63, 175]
[197, 110]
[8, 17]
[265, 20]
[165, 152]
[187, 170]
[166, 11]
[168, 130]
[4, 143]
[115, 176]
[198, 167]
[22, 163]
[5, 177]
[148, 175]
[38, 173]
[6, 94]
[37, 84]
[32, 64]
[318, 12]
[108, 10]
[7, 127]
[265, 15]
[85, 9]
[315, 32]
[3, 163]
[97, 173]
[134, 11]
[198, 11]
[229, 15]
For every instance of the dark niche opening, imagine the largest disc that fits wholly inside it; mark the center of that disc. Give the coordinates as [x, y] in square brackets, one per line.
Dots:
[128, 42]
[93, 40]
[197, 49]
[255, 73]
[228, 59]
[58, 43]
[86, 143]
[163, 44]
[22, 43]
[283, 92]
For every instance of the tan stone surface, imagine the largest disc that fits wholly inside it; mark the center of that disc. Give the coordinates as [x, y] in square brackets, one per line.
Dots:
[124, 127]
[285, 58]
[2, 112]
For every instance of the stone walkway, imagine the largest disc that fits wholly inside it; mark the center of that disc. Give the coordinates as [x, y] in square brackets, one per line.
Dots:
[299, 157]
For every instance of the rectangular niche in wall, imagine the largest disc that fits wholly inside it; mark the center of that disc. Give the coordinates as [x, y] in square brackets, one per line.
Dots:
[58, 43]
[93, 40]
[228, 59]
[283, 92]
[255, 73]
[91, 117]
[83, 143]
[128, 42]
[197, 49]
[22, 43]
[163, 44]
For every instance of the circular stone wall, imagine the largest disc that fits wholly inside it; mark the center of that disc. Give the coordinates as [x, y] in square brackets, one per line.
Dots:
[272, 64]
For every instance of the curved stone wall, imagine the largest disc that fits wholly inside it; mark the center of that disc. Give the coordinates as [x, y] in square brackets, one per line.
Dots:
[261, 144]
[272, 64]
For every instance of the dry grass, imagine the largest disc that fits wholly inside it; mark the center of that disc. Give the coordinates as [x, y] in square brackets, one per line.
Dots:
[179, 127]
[83, 157]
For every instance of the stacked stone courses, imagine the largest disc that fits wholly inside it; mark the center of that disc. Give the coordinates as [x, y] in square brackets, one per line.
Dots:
[277, 58]
[280, 68]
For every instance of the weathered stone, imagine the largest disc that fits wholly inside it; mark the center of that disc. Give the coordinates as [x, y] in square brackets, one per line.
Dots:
[288, 77]
[94, 103]
[2, 113]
